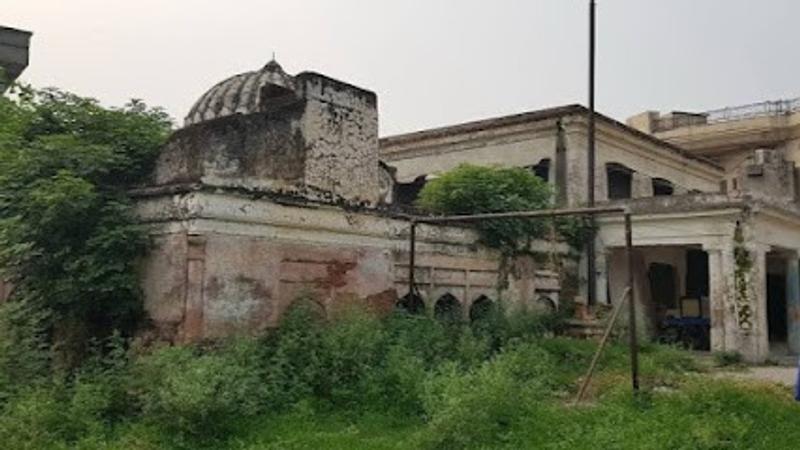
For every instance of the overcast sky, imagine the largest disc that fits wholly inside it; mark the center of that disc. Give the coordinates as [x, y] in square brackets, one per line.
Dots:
[431, 62]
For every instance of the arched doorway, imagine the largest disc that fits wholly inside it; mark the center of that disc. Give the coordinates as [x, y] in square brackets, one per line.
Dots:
[482, 309]
[448, 309]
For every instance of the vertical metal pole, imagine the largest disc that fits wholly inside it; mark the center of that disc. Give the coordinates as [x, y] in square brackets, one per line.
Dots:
[411, 255]
[591, 270]
[634, 346]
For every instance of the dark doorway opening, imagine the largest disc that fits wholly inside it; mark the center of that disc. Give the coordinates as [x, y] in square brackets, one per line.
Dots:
[482, 309]
[776, 307]
[447, 309]
[696, 274]
[662, 285]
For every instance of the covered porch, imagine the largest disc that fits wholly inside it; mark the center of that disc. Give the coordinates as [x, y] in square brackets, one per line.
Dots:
[724, 277]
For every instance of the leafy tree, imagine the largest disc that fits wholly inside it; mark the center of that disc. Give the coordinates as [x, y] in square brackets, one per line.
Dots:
[470, 189]
[68, 238]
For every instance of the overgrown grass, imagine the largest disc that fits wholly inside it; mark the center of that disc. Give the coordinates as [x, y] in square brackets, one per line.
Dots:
[401, 382]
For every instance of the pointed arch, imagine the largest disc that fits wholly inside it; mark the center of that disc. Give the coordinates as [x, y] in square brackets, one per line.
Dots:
[448, 309]
[482, 308]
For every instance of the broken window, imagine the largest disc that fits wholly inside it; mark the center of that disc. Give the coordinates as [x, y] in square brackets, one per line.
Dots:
[407, 193]
[542, 169]
[619, 180]
[662, 187]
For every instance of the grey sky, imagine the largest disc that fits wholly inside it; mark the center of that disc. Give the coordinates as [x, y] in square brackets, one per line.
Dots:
[431, 62]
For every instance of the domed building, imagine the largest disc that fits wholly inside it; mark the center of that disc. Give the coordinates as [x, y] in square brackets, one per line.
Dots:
[306, 135]
[273, 190]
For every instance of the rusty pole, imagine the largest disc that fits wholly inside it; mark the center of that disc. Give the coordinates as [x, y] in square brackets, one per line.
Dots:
[521, 214]
[634, 346]
[591, 269]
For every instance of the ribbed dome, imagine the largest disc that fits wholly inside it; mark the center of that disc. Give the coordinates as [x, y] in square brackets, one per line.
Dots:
[239, 94]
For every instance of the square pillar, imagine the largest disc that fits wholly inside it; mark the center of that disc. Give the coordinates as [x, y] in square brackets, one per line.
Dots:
[793, 302]
[718, 297]
[641, 185]
[738, 300]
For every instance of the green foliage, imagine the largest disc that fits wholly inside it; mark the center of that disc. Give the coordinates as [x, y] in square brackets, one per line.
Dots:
[24, 354]
[727, 359]
[68, 239]
[470, 189]
[475, 408]
[198, 393]
[357, 381]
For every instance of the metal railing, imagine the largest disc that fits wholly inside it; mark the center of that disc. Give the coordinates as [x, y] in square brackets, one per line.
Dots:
[729, 114]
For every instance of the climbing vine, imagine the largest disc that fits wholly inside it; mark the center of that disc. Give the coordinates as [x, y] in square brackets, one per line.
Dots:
[744, 263]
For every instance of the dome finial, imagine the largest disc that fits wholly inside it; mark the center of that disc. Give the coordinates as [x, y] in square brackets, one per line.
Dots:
[273, 65]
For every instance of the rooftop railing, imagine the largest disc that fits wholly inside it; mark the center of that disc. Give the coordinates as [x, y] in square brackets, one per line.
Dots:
[729, 114]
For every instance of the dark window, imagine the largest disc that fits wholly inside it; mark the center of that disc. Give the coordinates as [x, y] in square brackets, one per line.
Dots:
[542, 169]
[662, 187]
[407, 193]
[619, 180]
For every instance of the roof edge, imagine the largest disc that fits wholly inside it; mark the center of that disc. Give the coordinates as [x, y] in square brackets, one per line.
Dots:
[534, 116]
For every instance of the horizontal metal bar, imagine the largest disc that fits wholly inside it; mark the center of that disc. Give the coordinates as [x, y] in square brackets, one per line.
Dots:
[521, 214]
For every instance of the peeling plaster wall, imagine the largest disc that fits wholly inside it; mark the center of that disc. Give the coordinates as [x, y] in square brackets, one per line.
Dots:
[340, 127]
[225, 263]
[321, 142]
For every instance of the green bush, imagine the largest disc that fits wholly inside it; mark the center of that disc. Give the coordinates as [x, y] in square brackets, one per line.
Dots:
[727, 359]
[468, 409]
[294, 356]
[470, 189]
[24, 353]
[200, 393]
[68, 236]
[354, 345]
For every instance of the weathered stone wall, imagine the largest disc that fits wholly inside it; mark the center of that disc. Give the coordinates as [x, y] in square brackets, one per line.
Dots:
[319, 141]
[340, 128]
[226, 263]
